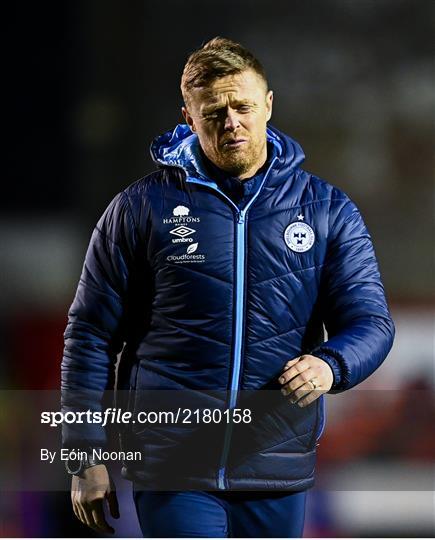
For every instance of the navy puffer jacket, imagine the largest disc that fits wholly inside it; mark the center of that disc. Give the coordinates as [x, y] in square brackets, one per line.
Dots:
[213, 301]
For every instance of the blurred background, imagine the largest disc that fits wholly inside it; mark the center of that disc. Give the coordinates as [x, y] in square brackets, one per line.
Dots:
[89, 84]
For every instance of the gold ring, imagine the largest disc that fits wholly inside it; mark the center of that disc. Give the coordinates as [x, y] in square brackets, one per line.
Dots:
[313, 383]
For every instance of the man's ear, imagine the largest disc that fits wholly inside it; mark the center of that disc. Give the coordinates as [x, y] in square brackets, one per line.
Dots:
[188, 118]
[269, 102]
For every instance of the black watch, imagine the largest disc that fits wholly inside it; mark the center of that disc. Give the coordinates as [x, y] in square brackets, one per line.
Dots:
[84, 460]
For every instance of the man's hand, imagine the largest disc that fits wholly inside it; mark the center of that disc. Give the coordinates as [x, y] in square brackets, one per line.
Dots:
[88, 492]
[298, 374]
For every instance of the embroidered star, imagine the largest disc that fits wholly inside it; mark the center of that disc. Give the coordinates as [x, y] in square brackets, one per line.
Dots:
[301, 217]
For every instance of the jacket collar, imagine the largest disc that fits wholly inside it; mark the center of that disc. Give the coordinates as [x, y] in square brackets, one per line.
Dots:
[180, 148]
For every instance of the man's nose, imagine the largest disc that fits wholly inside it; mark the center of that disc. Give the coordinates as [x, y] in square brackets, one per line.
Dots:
[231, 121]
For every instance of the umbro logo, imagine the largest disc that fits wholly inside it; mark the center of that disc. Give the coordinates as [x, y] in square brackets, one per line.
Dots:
[182, 231]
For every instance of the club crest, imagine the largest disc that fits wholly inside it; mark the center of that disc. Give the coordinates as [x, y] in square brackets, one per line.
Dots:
[299, 236]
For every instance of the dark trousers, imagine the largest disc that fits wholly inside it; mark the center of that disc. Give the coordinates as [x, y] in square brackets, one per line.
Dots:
[213, 514]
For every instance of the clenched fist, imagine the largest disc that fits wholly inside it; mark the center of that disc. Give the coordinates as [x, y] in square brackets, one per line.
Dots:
[305, 378]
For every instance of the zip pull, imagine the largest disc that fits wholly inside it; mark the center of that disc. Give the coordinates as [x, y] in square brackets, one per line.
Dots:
[240, 217]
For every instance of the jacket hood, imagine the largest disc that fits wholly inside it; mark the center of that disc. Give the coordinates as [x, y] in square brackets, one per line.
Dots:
[180, 148]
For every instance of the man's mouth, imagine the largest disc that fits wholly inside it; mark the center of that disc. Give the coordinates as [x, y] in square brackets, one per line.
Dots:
[234, 143]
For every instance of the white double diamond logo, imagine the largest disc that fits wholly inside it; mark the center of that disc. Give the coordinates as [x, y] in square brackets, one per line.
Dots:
[182, 231]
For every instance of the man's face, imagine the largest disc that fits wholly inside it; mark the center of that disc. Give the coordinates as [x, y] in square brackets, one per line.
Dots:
[229, 116]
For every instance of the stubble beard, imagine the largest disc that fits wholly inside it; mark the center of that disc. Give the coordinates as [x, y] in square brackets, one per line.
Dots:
[237, 162]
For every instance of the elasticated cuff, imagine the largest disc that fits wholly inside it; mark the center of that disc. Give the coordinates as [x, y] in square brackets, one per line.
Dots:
[334, 365]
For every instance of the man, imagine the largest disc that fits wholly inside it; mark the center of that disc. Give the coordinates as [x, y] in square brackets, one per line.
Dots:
[218, 272]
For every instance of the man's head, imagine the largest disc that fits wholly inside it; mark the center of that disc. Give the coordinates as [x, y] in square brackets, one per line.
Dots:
[228, 104]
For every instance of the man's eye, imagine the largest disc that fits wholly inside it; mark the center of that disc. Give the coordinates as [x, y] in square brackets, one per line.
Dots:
[244, 108]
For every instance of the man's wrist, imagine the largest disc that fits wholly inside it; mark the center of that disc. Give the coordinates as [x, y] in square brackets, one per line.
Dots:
[333, 364]
[86, 458]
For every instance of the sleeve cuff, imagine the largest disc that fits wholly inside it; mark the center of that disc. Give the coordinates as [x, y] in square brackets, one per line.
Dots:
[335, 368]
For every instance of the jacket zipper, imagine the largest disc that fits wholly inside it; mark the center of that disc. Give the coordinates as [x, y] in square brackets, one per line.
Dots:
[239, 315]
[238, 339]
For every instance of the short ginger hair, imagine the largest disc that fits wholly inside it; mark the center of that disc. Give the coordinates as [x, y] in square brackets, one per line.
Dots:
[217, 58]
